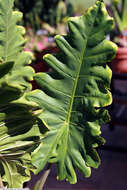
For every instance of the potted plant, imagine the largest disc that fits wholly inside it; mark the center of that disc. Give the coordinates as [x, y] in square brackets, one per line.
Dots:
[60, 122]
[119, 36]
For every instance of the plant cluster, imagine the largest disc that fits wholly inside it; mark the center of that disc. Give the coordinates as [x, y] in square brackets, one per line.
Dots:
[31, 10]
[42, 20]
[60, 122]
[36, 13]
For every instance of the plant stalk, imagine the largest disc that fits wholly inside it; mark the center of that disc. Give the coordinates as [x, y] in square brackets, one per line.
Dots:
[124, 3]
[41, 182]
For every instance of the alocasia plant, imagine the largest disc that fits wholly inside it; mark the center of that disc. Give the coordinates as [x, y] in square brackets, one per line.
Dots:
[61, 122]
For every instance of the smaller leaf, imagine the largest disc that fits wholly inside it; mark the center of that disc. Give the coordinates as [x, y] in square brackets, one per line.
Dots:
[16, 171]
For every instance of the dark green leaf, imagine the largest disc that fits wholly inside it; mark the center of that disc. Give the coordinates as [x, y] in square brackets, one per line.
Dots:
[73, 95]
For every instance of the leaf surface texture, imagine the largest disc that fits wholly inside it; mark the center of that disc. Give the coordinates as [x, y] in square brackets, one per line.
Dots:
[74, 94]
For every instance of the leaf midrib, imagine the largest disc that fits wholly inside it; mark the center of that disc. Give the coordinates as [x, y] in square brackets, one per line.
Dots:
[75, 85]
[77, 77]
[68, 120]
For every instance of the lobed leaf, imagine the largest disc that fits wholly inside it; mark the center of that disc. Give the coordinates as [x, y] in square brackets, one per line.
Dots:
[16, 171]
[74, 94]
[19, 124]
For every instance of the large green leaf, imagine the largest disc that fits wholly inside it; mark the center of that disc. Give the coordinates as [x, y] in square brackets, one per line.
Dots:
[74, 94]
[19, 125]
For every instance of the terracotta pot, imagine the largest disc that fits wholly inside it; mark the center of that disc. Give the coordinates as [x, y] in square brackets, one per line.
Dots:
[119, 64]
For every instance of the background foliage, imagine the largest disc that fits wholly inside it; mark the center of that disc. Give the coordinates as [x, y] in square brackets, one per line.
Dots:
[35, 12]
[81, 5]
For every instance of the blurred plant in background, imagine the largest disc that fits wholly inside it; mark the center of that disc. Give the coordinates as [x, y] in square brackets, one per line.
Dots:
[119, 10]
[43, 19]
[119, 35]
[31, 10]
[38, 12]
[81, 5]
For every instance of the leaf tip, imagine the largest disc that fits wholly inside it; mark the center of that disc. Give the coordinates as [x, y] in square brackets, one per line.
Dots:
[46, 56]
[18, 14]
[57, 37]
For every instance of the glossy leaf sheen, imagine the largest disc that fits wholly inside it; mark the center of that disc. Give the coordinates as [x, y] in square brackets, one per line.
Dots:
[73, 95]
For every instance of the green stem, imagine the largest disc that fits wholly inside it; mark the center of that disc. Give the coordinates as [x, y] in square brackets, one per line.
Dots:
[117, 17]
[40, 184]
[124, 2]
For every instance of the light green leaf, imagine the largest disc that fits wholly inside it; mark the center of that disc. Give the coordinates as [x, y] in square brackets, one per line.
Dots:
[16, 172]
[20, 128]
[11, 39]
[73, 95]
